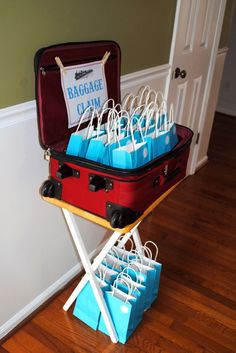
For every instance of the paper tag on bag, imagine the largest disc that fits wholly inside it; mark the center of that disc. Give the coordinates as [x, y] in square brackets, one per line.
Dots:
[83, 86]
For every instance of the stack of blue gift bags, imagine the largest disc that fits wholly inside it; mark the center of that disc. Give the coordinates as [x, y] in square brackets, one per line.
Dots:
[129, 281]
[137, 131]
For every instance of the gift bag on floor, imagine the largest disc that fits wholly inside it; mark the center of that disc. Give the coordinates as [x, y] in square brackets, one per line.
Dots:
[106, 273]
[149, 259]
[146, 275]
[122, 308]
[139, 292]
[86, 308]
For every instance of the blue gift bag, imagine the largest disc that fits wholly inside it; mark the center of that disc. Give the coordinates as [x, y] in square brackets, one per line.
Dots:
[79, 140]
[114, 263]
[146, 275]
[132, 155]
[172, 129]
[106, 273]
[146, 257]
[96, 149]
[122, 308]
[86, 308]
[100, 147]
[138, 291]
[161, 143]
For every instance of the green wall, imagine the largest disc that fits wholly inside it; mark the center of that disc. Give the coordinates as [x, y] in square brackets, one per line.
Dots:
[142, 28]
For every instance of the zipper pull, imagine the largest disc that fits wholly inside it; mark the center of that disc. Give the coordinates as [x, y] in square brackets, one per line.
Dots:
[42, 69]
[47, 155]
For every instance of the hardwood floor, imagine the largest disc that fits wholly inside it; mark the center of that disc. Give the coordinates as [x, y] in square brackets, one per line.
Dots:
[195, 229]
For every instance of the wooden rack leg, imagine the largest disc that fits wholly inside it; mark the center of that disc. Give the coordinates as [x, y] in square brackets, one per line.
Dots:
[137, 240]
[97, 261]
[126, 237]
[88, 269]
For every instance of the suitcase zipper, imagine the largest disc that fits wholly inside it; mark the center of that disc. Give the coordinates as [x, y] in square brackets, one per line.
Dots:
[61, 156]
[54, 67]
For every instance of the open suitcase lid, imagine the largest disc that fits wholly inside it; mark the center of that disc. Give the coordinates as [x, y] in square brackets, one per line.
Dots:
[51, 106]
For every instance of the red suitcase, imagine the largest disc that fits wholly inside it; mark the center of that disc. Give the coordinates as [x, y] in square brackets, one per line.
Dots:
[118, 195]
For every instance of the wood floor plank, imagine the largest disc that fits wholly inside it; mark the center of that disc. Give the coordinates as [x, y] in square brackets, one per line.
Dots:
[195, 229]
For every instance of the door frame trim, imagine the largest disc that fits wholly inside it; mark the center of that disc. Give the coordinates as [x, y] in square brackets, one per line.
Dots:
[220, 17]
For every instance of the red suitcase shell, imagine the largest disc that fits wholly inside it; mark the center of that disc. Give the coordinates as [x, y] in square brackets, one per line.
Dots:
[118, 195]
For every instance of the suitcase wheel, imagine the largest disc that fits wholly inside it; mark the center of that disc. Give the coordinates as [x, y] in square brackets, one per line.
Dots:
[117, 220]
[47, 189]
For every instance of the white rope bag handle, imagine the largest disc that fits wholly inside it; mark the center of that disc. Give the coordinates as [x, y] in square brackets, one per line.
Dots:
[124, 271]
[137, 255]
[129, 240]
[132, 130]
[83, 116]
[115, 254]
[149, 95]
[94, 115]
[164, 111]
[105, 104]
[171, 114]
[104, 271]
[123, 114]
[150, 113]
[157, 118]
[126, 100]
[140, 109]
[155, 246]
[161, 95]
[122, 280]
[147, 253]
[144, 91]
[119, 241]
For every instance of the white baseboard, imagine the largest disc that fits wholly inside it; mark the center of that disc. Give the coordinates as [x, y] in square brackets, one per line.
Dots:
[226, 111]
[201, 163]
[44, 296]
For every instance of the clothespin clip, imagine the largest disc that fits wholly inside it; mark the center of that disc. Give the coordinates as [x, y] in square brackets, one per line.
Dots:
[59, 63]
[105, 57]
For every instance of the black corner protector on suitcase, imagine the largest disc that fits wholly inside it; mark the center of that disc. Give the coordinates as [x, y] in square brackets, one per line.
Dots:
[120, 216]
[51, 188]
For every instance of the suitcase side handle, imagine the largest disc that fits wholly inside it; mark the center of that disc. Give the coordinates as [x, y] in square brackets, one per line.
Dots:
[165, 177]
[173, 174]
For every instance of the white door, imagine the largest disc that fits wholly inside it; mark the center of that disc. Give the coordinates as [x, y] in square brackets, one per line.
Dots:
[194, 45]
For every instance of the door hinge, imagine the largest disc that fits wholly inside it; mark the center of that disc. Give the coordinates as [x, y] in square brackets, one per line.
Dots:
[197, 139]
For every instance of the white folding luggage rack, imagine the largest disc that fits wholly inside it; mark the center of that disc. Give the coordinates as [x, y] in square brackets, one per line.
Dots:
[131, 230]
